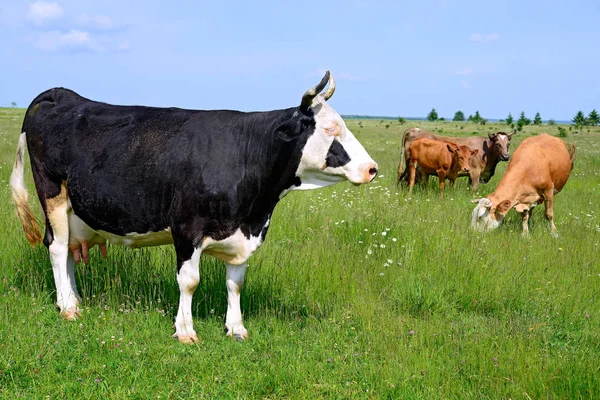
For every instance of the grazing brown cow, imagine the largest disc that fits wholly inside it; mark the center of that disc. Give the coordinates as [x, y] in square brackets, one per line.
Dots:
[538, 170]
[433, 157]
[481, 168]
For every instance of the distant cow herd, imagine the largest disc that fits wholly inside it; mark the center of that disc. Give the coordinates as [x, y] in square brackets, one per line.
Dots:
[537, 172]
[208, 181]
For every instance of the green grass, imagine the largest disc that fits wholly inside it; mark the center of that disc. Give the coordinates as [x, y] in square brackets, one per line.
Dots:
[357, 293]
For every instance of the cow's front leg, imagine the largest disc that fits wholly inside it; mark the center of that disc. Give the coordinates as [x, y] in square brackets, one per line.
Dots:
[188, 277]
[233, 320]
[525, 219]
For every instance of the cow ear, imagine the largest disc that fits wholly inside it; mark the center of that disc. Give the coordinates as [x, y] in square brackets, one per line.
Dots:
[503, 207]
[473, 152]
[452, 147]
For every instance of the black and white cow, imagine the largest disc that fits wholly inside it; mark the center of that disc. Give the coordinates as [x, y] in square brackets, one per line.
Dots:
[206, 181]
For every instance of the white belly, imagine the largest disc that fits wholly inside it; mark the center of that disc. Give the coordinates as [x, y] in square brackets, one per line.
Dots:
[235, 249]
[79, 232]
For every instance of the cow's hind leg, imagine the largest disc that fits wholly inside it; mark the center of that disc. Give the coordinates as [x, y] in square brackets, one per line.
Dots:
[233, 320]
[188, 277]
[549, 206]
[57, 240]
[412, 170]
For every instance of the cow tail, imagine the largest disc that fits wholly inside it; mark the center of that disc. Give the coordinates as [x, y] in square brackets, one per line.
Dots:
[402, 161]
[20, 196]
[571, 149]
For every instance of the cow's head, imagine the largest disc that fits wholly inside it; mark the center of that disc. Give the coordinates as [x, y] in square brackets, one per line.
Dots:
[487, 215]
[500, 144]
[461, 155]
[331, 153]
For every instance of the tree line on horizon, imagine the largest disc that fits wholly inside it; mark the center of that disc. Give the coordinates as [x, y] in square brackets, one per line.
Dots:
[579, 120]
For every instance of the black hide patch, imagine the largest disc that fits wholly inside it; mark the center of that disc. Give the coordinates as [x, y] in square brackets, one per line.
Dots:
[144, 169]
[336, 155]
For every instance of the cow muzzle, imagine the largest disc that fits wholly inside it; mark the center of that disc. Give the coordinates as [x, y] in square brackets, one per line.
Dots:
[505, 157]
[366, 173]
[466, 169]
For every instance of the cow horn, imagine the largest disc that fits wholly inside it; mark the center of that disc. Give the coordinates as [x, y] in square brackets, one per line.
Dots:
[475, 201]
[311, 93]
[512, 133]
[329, 92]
[491, 136]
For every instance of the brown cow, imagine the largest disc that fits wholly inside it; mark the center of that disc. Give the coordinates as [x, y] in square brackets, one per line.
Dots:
[481, 168]
[433, 157]
[538, 170]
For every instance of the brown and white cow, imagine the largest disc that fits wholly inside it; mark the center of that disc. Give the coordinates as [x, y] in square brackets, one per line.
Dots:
[482, 167]
[433, 157]
[538, 170]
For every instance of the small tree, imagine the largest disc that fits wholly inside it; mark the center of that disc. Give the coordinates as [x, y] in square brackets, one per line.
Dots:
[523, 120]
[594, 118]
[458, 116]
[477, 117]
[441, 119]
[13, 104]
[401, 120]
[537, 120]
[551, 122]
[579, 119]
[509, 119]
[470, 118]
[432, 116]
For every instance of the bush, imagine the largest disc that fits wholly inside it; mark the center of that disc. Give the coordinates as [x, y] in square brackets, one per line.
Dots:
[562, 132]
[552, 122]
[401, 120]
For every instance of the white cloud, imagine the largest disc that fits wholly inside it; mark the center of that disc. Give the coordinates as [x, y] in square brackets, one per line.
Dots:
[100, 22]
[57, 41]
[465, 84]
[42, 11]
[464, 71]
[478, 37]
[125, 46]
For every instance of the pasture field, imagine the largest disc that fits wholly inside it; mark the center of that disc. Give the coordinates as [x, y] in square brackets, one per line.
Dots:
[358, 292]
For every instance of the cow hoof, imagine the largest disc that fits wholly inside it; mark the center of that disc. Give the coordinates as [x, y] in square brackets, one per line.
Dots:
[187, 339]
[71, 314]
[239, 335]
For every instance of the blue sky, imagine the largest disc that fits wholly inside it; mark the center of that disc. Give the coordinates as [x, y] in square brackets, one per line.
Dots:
[392, 58]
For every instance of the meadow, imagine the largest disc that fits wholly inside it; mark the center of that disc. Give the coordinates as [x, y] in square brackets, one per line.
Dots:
[358, 292]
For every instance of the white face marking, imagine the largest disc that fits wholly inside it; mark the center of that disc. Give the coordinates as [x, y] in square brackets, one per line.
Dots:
[481, 218]
[329, 127]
